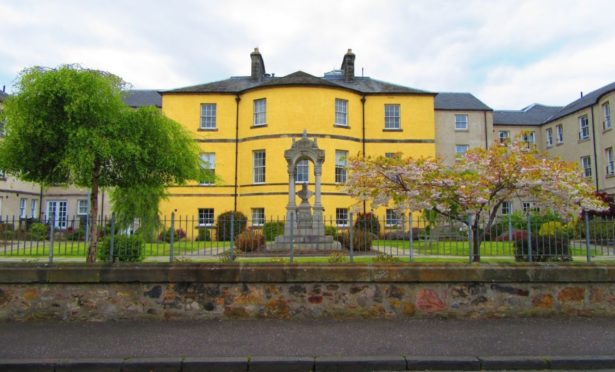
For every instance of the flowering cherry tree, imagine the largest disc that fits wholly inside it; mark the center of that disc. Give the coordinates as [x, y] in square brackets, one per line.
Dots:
[473, 189]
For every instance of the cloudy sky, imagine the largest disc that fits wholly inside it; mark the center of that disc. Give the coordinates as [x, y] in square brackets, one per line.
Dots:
[507, 53]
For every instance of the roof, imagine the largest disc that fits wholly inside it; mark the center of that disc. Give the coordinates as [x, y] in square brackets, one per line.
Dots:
[583, 102]
[240, 84]
[141, 98]
[459, 101]
[535, 114]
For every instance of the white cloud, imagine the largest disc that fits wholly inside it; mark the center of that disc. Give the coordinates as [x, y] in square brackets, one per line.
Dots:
[508, 52]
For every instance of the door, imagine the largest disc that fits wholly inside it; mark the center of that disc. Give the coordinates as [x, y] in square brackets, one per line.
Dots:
[56, 212]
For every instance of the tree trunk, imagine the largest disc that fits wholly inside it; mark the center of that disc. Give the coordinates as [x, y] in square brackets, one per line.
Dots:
[93, 221]
[475, 243]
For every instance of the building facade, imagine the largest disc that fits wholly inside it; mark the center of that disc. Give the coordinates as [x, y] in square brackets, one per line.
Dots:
[244, 124]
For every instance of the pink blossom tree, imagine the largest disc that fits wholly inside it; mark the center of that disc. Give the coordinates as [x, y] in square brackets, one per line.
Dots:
[475, 186]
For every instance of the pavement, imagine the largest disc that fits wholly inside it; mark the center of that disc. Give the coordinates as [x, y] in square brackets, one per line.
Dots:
[320, 345]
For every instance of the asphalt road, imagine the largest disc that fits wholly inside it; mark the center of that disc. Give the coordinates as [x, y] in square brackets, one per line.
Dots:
[429, 337]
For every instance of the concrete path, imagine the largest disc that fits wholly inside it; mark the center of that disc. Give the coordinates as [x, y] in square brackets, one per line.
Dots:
[513, 343]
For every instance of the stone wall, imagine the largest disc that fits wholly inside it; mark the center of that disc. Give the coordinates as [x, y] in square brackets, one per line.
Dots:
[104, 292]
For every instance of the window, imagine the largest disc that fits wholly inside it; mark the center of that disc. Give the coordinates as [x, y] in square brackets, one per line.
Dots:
[208, 165]
[206, 216]
[22, 207]
[208, 116]
[2, 174]
[341, 217]
[503, 136]
[606, 112]
[460, 150]
[259, 166]
[258, 216]
[506, 207]
[549, 137]
[583, 128]
[260, 111]
[82, 207]
[341, 112]
[461, 122]
[302, 171]
[56, 212]
[586, 165]
[392, 218]
[340, 166]
[559, 129]
[391, 117]
[34, 208]
[527, 207]
[608, 156]
[529, 137]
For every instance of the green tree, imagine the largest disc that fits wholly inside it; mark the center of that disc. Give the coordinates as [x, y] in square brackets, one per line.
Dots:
[69, 125]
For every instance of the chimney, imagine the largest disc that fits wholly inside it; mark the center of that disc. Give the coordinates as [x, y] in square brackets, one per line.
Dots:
[348, 66]
[258, 65]
[581, 94]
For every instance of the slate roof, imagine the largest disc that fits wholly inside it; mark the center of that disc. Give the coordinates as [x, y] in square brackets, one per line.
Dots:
[240, 84]
[141, 98]
[583, 102]
[535, 114]
[459, 101]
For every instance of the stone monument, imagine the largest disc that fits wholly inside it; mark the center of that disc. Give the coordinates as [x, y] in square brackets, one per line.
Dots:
[304, 224]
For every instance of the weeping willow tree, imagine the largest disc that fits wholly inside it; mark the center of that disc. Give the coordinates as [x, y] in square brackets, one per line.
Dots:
[137, 207]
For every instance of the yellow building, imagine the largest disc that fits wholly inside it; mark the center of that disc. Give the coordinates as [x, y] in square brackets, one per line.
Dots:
[244, 124]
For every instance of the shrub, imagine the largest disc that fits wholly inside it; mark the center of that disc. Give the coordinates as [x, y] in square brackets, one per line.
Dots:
[544, 248]
[7, 231]
[601, 230]
[223, 228]
[125, 249]
[203, 234]
[165, 235]
[272, 230]
[39, 231]
[367, 222]
[361, 240]
[556, 228]
[330, 230]
[75, 234]
[385, 259]
[249, 241]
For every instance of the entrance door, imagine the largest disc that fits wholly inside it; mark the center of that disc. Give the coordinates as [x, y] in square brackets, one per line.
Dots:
[56, 211]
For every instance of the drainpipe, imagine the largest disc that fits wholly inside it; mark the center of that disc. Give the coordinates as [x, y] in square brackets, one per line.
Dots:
[363, 99]
[237, 99]
[486, 134]
[40, 203]
[594, 145]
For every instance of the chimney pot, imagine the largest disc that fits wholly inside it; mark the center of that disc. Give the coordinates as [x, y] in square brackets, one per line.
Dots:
[348, 66]
[258, 65]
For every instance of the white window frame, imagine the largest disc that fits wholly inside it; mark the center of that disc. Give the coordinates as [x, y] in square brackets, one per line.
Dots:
[341, 112]
[586, 165]
[583, 128]
[506, 208]
[34, 208]
[258, 216]
[260, 112]
[559, 133]
[80, 206]
[208, 163]
[341, 157]
[208, 116]
[392, 116]
[259, 163]
[206, 216]
[549, 137]
[458, 147]
[23, 205]
[302, 171]
[392, 218]
[58, 211]
[341, 217]
[462, 124]
[529, 137]
[527, 207]
[606, 112]
[608, 156]
[503, 135]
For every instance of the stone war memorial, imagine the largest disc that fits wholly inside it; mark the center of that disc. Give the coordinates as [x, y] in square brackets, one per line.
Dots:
[304, 228]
